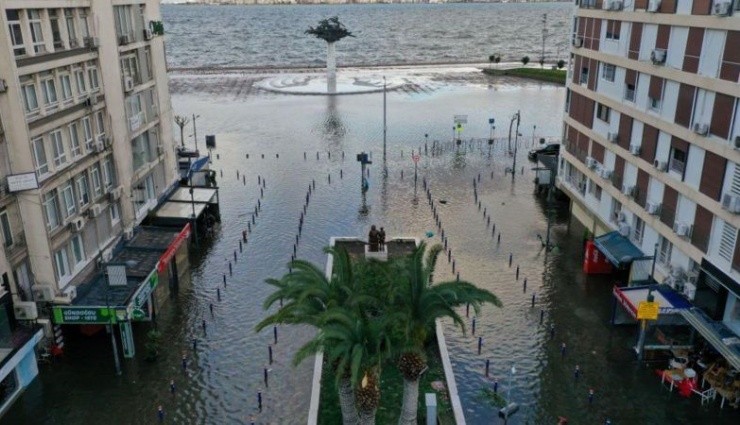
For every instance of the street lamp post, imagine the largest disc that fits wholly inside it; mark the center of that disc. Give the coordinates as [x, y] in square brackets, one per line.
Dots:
[385, 127]
[110, 325]
[195, 134]
[517, 118]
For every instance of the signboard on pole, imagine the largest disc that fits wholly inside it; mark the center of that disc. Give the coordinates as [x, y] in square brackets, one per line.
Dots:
[461, 119]
[648, 310]
[141, 297]
[25, 181]
[127, 340]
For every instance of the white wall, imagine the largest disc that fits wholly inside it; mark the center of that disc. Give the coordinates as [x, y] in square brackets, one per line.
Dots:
[647, 44]
[711, 52]
[694, 166]
[641, 91]
[677, 47]
[683, 7]
[664, 146]
[630, 174]
[637, 129]
[613, 89]
[703, 107]
[670, 100]
[685, 210]
[655, 191]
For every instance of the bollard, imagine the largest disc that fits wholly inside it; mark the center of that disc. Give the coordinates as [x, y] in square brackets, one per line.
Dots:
[472, 327]
[244, 180]
[329, 178]
[241, 247]
[195, 344]
[259, 400]
[304, 156]
[342, 154]
[458, 277]
[534, 297]
[524, 286]
[210, 307]
[499, 238]
[449, 256]
[231, 272]
[274, 333]
[269, 353]
[511, 257]
[237, 174]
[542, 316]
[517, 272]
[249, 228]
[488, 363]
[224, 278]
[341, 173]
[329, 153]
[218, 294]
[235, 256]
[259, 179]
[453, 266]
[480, 343]
[262, 193]
[267, 384]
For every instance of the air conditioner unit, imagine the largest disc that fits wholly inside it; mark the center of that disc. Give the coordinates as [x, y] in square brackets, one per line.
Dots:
[701, 129]
[3, 86]
[124, 39]
[591, 162]
[628, 190]
[92, 42]
[128, 84]
[577, 41]
[48, 329]
[653, 5]
[621, 216]
[652, 208]
[128, 234]
[94, 210]
[635, 149]
[114, 193]
[148, 34]
[108, 142]
[681, 229]
[76, 224]
[612, 137]
[624, 229]
[721, 8]
[736, 142]
[657, 56]
[25, 310]
[660, 165]
[614, 5]
[70, 292]
[731, 203]
[99, 146]
[43, 293]
[605, 173]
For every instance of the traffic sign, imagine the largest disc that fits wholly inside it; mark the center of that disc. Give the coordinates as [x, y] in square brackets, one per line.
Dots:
[416, 158]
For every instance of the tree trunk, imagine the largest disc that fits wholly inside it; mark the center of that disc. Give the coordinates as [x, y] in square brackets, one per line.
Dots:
[410, 402]
[331, 68]
[182, 136]
[367, 417]
[347, 402]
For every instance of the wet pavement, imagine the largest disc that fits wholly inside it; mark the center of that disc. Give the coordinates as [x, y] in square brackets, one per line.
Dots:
[225, 371]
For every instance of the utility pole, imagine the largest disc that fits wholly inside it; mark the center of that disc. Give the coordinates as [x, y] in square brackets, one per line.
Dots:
[385, 127]
[516, 117]
[195, 133]
[544, 35]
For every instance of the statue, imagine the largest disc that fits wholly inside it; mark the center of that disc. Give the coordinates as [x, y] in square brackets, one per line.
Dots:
[331, 31]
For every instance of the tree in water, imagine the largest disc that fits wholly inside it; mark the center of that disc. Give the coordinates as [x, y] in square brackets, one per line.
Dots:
[331, 31]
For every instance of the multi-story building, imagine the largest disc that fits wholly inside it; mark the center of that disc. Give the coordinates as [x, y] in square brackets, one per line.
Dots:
[652, 138]
[86, 146]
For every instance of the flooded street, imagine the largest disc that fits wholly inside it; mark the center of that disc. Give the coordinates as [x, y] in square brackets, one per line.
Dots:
[224, 376]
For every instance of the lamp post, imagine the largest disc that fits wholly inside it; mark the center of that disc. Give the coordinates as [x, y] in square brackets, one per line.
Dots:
[517, 118]
[195, 134]
[385, 127]
[113, 342]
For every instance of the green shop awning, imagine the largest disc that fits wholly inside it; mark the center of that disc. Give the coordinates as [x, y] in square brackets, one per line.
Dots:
[619, 250]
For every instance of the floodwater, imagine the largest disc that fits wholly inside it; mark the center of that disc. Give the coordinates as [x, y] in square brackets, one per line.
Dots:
[225, 372]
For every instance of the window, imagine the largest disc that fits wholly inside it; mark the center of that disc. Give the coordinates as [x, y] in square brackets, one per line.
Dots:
[95, 176]
[39, 153]
[100, 124]
[727, 241]
[678, 161]
[78, 250]
[49, 88]
[108, 173]
[16, 35]
[130, 67]
[69, 16]
[84, 24]
[30, 100]
[51, 209]
[613, 29]
[638, 229]
[7, 230]
[141, 150]
[74, 140]
[83, 195]
[56, 34]
[57, 146]
[150, 190]
[80, 77]
[602, 112]
[92, 73]
[616, 210]
[584, 76]
[60, 259]
[87, 129]
[66, 87]
[629, 92]
[69, 208]
[654, 103]
[607, 72]
[115, 214]
[37, 35]
[123, 20]
[665, 247]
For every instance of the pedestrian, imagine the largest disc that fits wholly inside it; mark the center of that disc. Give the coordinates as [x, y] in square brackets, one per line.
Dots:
[373, 239]
[577, 372]
[172, 386]
[160, 413]
[590, 396]
[552, 331]
[184, 362]
[381, 238]
[562, 350]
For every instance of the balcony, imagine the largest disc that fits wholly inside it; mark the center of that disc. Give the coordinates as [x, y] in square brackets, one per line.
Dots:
[17, 339]
[17, 247]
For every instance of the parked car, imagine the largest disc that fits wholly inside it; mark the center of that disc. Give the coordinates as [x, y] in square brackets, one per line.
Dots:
[551, 149]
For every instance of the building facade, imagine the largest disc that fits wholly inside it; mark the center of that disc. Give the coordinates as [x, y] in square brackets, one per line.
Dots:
[87, 115]
[652, 138]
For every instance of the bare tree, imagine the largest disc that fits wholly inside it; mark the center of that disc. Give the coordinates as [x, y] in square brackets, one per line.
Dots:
[181, 122]
[331, 31]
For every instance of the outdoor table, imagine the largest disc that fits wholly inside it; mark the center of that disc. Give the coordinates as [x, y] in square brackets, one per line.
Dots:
[673, 376]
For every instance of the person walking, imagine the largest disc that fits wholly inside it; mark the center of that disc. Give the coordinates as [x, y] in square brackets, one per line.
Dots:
[373, 238]
[381, 236]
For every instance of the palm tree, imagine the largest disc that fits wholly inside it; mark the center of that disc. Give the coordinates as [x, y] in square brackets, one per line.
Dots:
[309, 295]
[420, 304]
[331, 31]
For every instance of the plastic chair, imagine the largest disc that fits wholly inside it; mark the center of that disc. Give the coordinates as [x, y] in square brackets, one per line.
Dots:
[706, 395]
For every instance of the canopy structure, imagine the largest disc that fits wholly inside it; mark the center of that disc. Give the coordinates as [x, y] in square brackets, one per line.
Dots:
[670, 301]
[619, 250]
[722, 338]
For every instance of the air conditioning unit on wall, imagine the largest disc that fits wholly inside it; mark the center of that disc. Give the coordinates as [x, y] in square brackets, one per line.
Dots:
[682, 229]
[721, 8]
[612, 137]
[653, 5]
[577, 41]
[635, 149]
[701, 129]
[652, 208]
[657, 56]
[731, 203]
[660, 165]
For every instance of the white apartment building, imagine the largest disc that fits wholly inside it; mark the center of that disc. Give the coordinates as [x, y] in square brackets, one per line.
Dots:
[87, 129]
[652, 138]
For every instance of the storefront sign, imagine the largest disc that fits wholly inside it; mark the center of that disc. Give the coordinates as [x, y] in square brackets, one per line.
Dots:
[648, 310]
[142, 294]
[173, 247]
[67, 315]
[25, 181]
[127, 340]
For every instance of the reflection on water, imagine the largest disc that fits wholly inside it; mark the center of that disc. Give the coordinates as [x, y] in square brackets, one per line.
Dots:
[226, 371]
